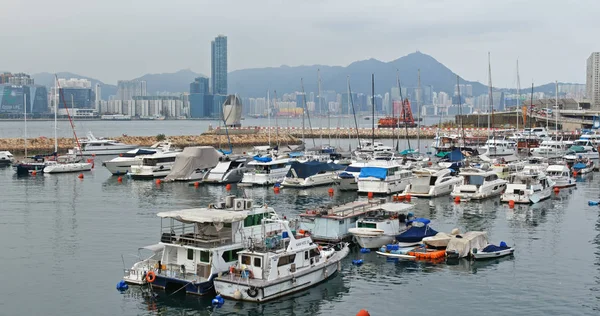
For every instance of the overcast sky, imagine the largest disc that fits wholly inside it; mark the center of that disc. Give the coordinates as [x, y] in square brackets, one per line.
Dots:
[123, 39]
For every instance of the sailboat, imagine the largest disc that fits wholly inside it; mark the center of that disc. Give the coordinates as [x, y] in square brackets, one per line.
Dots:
[70, 162]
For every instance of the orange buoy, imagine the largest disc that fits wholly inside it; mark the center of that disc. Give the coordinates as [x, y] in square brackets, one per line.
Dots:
[80, 176]
[574, 173]
[556, 190]
[430, 163]
[370, 195]
[330, 191]
[276, 190]
[228, 187]
[120, 179]
[33, 173]
[158, 181]
[407, 197]
[401, 198]
[363, 312]
[457, 199]
[511, 203]
[196, 184]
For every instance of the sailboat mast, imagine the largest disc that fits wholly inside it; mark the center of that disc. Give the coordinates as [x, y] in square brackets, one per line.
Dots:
[56, 93]
[419, 114]
[402, 104]
[25, 113]
[351, 105]
[518, 95]
[394, 118]
[307, 113]
[490, 93]
[462, 126]
[269, 115]
[556, 111]
[373, 110]
[276, 121]
[304, 101]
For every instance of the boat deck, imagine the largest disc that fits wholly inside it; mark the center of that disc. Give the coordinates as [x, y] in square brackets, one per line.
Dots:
[343, 211]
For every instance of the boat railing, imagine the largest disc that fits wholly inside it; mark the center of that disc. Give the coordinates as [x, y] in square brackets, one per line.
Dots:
[186, 235]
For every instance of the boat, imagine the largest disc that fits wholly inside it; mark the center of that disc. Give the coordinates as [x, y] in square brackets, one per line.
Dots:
[461, 245]
[380, 225]
[383, 177]
[36, 164]
[96, 147]
[561, 176]
[492, 252]
[478, 184]
[550, 149]
[122, 164]
[229, 169]
[6, 158]
[498, 147]
[154, 166]
[440, 240]
[193, 163]
[66, 164]
[429, 183]
[199, 244]
[269, 271]
[310, 174]
[331, 224]
[527, 187]
[418, 229]
[266, 170]
[348, 179]
[576, 152]
[582, 166]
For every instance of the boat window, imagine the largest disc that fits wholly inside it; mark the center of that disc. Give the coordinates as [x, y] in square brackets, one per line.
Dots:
[432, 180]
[474, 180]
[314, 253]
[253, 220]
[190, 254]
[366, 225]
[306, 255]
[342, 222]
[204, 256]
[230, 255]
[257, 262]
[246, 260]
[285, 260]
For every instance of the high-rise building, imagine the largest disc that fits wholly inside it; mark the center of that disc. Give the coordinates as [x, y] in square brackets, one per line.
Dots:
[20, 79]
[127, 89]
[592, 82]
[219, 65]
[200, 85]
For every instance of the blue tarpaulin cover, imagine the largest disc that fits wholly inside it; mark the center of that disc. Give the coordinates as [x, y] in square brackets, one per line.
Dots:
[306, 169]
[262, 159]
[416, 234]
[493, 248]
[579, 165]
[375, 172]
[345, 175]
[456, 155]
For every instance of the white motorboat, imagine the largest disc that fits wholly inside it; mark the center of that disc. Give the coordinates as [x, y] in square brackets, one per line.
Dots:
[499, 147]
[492, 252]
[582, 148]
[194, 163]
[158, 165]
[197, 245]
[383, 177]
[122, 164]
[68, 163]
[431, 183]
[311, 174]
[266, 170]
[528, 187]
[285, 265]
[348, 179]
[97, 147]
[551, 148]
[583, 166]
[229, 169]
[478, 184]
[561, 176]
[440, 240]
[380, 225]
[6, 158]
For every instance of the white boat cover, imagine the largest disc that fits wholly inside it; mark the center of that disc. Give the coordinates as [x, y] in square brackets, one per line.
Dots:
[204, 215]
[191, 159]
[392, 207]
[463, 243]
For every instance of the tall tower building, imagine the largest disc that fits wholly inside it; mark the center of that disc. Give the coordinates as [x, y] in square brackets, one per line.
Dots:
[592, 82]
[127, 89]
[219, 65]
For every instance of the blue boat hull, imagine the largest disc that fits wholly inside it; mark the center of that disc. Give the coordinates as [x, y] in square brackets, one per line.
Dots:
[175, 286]
[27, 168]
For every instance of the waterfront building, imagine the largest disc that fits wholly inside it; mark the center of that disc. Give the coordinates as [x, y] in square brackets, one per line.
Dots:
[200, 85]
[20, 79]
[128, 89]
[219, 65]
[12, 100]
[592, 82]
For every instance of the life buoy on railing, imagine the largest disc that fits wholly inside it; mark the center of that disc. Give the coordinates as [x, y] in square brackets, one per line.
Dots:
[252, 291]
[150, 277]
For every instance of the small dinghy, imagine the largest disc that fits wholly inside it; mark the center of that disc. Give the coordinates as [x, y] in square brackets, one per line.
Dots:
[492, 251]
[418, 229]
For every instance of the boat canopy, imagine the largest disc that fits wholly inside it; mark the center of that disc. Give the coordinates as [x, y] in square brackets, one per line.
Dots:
[204, 215]
[346, 175]
[577, 149]
[262, 159]
[407, 152]
[442, 154]
[463, 243]
[416, 234]
[424, 221]
[393, 207]
[456, 155]
[306, 169]
[192, 159]
[154, 248]
[375, 172]
[579, 166]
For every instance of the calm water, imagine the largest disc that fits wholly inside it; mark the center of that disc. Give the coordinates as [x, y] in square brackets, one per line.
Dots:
[62, 241]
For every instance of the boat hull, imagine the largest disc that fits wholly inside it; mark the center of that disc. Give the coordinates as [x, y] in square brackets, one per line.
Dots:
[381, 187]
[373, 242]
[121, 167]
[312, 181]
[525, 198]
[68, 167]
[27, 168]
[492, 255]
[108, 151]
[478, 194]
[348, 184]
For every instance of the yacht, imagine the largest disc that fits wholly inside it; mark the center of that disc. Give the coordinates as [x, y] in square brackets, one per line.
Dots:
[6, 158]
[383, 177]
[229, 169]
[478, 184]
[579, 152]
[158, 165]
[284, 265]
[95, 146]
[445, 143]
[528, 187]
[499, 147]
[311, 174]
[561, 176]
[68, 163]
[122, 164]
[430, 183]
[194, 163]
[380, 225]
[550, 149]
[348, 179]
[199, 244]
[265, 170]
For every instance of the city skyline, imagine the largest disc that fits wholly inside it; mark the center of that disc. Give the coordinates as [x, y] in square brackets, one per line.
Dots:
[265, 34]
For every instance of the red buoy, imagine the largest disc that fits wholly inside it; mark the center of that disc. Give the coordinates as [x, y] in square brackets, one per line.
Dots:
[228, 187]
[370, 195]
[196, 184]
[158, 181]
[120, 179]
[80, 176]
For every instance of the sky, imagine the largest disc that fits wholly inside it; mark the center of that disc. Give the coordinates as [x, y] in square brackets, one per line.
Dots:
[124, 39]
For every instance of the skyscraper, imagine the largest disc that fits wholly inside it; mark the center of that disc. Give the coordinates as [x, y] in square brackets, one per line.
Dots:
[200, 85]
[592, 82]
[219, 65]
[127, 89]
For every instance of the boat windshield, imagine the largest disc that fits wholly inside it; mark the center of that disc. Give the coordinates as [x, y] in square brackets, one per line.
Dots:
[352, 169]
[474, 180]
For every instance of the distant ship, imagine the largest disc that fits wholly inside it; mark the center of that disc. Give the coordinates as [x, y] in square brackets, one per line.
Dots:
[232, 111]
[116, 117]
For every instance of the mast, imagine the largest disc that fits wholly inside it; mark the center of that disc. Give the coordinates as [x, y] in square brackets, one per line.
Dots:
[556, 111]
[419, 114]
[373, 111]
[70, 120]
[518, 95]
[307, 113]
[402, 104]
[490, 93]
[276, 121]
[394, 118]
[351, 105]
[269, 115]
[462, 126]
[530, 119]
[304, 101]
[56, 93]
[25, 113]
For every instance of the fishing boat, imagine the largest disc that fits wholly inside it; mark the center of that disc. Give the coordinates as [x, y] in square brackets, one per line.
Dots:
[478, 184]
[380, 225]
[96, 147]
[122, 164]
[348, 179]
[527, 187]
[199, 244]
[429, 183]
[582, 166]
[193, 163]
[311, 174]
[383, 177]
[229, 169]
[266, 271]
[561, 176]
[154, 166]
[6, 158]
[331, 224]
[492, 252]
[418, 229]
[266, 170]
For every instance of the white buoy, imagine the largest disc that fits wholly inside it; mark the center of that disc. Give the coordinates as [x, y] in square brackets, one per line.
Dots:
[237, 294]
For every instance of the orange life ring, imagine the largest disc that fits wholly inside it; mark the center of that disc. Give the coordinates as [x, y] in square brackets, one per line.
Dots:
[150, 277]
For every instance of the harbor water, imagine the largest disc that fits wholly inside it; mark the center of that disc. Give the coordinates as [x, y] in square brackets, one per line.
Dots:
[66, 241]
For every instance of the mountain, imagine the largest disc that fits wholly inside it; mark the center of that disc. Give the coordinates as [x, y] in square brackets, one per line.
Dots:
[255, 82]
[47, 79]
[170, 82]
